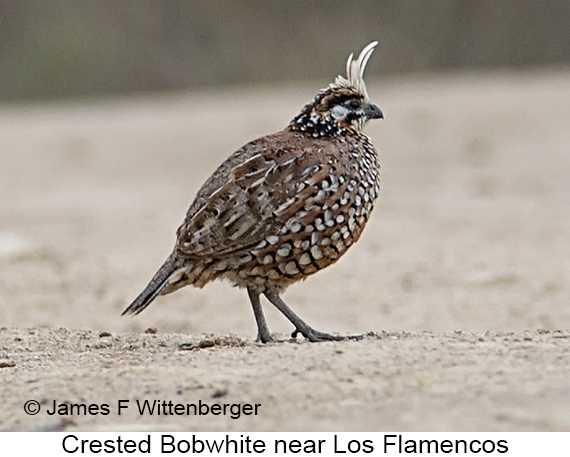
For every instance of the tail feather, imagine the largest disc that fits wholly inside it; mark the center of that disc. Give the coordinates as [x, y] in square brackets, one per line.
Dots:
[154, 288]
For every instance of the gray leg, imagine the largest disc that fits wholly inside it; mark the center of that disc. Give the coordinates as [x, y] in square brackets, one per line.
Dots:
[263, 333]
[300, 326]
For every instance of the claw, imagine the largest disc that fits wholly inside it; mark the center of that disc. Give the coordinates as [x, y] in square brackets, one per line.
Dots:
[315, 336]
[264, 338]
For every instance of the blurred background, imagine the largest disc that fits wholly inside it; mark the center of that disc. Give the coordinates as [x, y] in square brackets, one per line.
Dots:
[69, 48]
[113, 113]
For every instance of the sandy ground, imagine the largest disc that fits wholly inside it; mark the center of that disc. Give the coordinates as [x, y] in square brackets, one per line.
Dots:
[461, 279]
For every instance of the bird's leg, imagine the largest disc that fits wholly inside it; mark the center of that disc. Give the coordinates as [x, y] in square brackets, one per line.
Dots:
[300, 326]
[263, 334]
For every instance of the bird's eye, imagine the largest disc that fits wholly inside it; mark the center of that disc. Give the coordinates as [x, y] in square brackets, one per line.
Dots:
[353, 104]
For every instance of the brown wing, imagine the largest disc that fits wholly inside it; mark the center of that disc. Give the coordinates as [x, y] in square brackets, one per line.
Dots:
[252, 195]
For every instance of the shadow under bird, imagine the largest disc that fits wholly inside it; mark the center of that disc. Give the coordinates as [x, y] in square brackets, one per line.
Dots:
[283, 206]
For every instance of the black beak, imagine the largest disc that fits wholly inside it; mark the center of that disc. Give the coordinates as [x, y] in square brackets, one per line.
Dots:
[373, 112]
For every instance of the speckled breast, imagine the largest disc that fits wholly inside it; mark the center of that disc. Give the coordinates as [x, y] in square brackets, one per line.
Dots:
[325, 216]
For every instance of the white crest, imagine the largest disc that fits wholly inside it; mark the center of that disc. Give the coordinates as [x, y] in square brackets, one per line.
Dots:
[355, 71]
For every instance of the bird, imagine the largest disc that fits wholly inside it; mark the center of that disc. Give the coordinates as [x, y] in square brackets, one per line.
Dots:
[282, 207]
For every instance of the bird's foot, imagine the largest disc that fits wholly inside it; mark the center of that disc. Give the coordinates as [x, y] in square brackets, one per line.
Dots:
[264, 337]
[315, 336]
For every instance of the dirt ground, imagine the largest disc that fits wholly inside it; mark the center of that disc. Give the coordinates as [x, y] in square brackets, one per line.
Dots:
[461, 279]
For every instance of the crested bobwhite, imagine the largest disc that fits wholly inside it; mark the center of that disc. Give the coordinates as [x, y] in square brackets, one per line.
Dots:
[283, 206]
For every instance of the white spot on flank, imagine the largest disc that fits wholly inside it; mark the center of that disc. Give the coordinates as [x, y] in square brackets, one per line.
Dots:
[291, 268]
[326, 241]
[284, 250]
[273, 274]
[295, 227]
[305, 259]
[314, 238]
[351, 223]
[316, 252]
[321, 195]
[340, 245]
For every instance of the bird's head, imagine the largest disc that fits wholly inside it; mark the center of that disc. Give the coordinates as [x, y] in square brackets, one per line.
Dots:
[342, 107]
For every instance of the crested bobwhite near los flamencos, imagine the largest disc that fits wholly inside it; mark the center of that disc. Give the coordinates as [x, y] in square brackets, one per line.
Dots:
[282, 207]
